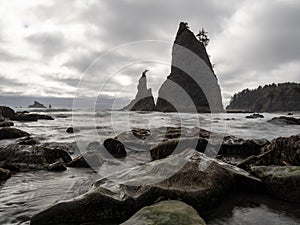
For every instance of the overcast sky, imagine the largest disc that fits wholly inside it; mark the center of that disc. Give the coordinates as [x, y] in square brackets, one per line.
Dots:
[46, 47]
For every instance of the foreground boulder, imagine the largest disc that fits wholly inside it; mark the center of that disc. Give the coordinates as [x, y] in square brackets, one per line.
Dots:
[283, 182]
[11, 133]
[4, 174]
[166, 212]
[25, 157]
[188, 176]
[284, 120]
[282, 151]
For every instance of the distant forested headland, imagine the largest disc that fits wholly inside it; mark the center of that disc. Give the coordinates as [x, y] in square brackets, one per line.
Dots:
[270, 98]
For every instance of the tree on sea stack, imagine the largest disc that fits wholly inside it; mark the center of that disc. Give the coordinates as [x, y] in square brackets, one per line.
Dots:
[203, 37]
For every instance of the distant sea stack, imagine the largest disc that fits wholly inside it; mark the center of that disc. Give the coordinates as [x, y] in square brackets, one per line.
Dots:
[283, 97]
[192, 85]
[144, 100]
[37, 105]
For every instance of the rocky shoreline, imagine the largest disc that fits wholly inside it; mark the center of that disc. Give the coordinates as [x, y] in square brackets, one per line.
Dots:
[189, 169]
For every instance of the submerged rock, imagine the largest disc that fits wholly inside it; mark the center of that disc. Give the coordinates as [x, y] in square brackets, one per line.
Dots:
[144, 100]
[72, 130]
[11, 133]
[111, 202]
[255, 116]
[25, 157]
[4, 174]
[283, 182]
[115, 148]
[192, 85]
[284, 120]
[166, 212]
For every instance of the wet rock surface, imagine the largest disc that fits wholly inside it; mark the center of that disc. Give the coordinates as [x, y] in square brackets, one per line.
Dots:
[115, 148]
[6, 123]
[87, 160]
[72, 130]
[109, 201]
[284, 120]
[254, 116]
[25, 157]
[166, 212]
[11, 133]
[281, 151]
[281, 181]
[4, 174]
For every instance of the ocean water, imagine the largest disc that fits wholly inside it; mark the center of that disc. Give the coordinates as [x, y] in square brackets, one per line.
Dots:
[25, 194]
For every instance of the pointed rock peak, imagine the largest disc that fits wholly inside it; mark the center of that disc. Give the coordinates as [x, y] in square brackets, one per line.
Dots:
[144, 100]
[144, 73]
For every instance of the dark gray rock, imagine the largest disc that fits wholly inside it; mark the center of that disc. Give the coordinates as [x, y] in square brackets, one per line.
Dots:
[6, 123]
[7, 112]
[87, 160]
[166, 212]
[281, 181]
[4, 174]
[115, 148]
[175, 140]
[109, 202]
[284, 120]
[281, 151]
[192, 85]
[72, 130]
[25, 157]
[11, 133]
[255, 116]
[28, 141]
[57, 166]
[37, 105]
[144, 100]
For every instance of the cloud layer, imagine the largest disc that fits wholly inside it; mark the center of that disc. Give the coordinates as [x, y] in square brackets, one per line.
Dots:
[47, 47]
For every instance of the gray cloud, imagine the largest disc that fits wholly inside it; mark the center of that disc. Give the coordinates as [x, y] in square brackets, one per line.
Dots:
[50, 44]
[252, 42]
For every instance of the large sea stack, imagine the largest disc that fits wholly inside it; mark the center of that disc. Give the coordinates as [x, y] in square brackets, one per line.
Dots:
[192, 85]
[144, 100]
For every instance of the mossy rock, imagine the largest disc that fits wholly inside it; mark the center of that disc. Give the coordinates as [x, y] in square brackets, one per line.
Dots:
[166, 213]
